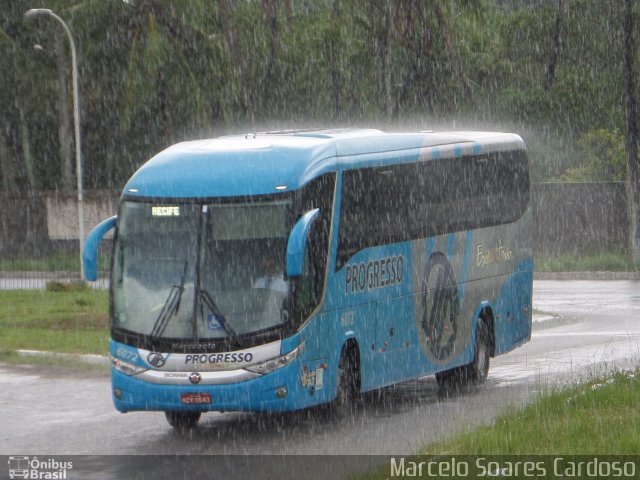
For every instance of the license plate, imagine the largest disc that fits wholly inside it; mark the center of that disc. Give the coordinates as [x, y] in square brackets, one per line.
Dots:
[195, 398]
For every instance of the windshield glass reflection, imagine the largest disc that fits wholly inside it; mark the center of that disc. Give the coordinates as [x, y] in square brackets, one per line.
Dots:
[242, 267]
[154, 269]
[193, 271]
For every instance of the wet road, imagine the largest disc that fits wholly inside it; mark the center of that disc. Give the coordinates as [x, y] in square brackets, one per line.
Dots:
[590, 327]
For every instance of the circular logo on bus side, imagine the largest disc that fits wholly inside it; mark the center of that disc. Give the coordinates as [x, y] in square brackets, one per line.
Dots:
[440, 307]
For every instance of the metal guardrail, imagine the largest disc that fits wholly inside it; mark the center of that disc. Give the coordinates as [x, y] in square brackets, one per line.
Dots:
[31, 280]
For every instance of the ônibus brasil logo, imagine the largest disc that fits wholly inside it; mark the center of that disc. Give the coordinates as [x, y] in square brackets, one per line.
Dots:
[35, 468]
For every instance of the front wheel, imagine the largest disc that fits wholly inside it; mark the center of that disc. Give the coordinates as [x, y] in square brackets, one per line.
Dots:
[182, 420]
[348, 385]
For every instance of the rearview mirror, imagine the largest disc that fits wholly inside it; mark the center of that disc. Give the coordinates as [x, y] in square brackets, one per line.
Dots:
[298, 241]
[92, 245]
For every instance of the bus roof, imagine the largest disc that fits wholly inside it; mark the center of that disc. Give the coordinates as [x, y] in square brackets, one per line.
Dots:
[272, 162]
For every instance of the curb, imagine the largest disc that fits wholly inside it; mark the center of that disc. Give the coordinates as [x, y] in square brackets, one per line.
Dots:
[635, 276]
[85, 358]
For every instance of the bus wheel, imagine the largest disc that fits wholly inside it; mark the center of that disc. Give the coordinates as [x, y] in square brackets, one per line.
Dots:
[478, 369]
[182, 420]
[474, 373]
[344, 402]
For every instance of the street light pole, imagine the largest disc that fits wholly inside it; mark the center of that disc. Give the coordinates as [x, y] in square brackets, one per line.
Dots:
[76, 122]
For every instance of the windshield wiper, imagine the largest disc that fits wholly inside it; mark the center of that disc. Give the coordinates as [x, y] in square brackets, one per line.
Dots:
[211, 305]
[170, 307]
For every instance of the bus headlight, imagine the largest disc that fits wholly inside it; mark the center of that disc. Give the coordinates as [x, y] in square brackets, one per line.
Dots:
[275, 363]
[126, 367]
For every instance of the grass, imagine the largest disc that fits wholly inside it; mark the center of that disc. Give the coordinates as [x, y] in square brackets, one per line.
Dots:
[587, 421]
[72, 320]
[52, 263]
[591, 262]
[59, 262]
[596, 418]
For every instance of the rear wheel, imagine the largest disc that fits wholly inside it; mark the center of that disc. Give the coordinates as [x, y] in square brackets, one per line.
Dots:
[474, 373]
[182, 420]
[478, 370]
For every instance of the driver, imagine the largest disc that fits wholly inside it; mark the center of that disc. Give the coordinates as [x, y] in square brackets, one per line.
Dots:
[272, 279]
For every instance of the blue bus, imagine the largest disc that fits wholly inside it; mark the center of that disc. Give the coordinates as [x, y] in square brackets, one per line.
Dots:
[282, 270]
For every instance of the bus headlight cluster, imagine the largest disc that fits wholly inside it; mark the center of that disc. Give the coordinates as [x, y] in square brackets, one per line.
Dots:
[275, 363]
[126, 367]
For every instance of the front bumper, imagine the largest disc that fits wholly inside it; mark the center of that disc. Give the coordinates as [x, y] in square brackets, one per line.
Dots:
[277, 391]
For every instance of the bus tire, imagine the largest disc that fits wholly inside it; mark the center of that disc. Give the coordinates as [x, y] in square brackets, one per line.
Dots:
[182, 420]
[474, 373]
[478, 370]
[348, 384]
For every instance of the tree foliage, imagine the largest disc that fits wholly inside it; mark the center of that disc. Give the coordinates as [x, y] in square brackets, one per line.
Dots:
[603, 158]
[155, 72]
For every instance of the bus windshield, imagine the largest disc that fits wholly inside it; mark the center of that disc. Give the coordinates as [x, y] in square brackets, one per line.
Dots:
[201, 271]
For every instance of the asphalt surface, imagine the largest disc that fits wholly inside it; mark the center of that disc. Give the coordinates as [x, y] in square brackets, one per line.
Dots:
[584, 328]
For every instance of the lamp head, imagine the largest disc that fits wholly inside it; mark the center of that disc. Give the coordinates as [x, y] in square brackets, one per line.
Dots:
[37, 11]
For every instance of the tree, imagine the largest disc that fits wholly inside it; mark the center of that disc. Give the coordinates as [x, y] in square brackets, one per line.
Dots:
[15, 140]
[557, 46]
[603, 159]
[237, 59]
[633, 187]
[273, 27]
[64, 109]
[154, 72]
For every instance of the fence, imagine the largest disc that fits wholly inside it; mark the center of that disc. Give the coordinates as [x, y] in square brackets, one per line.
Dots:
[575, 218]
[39, 236]
[39, 231]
